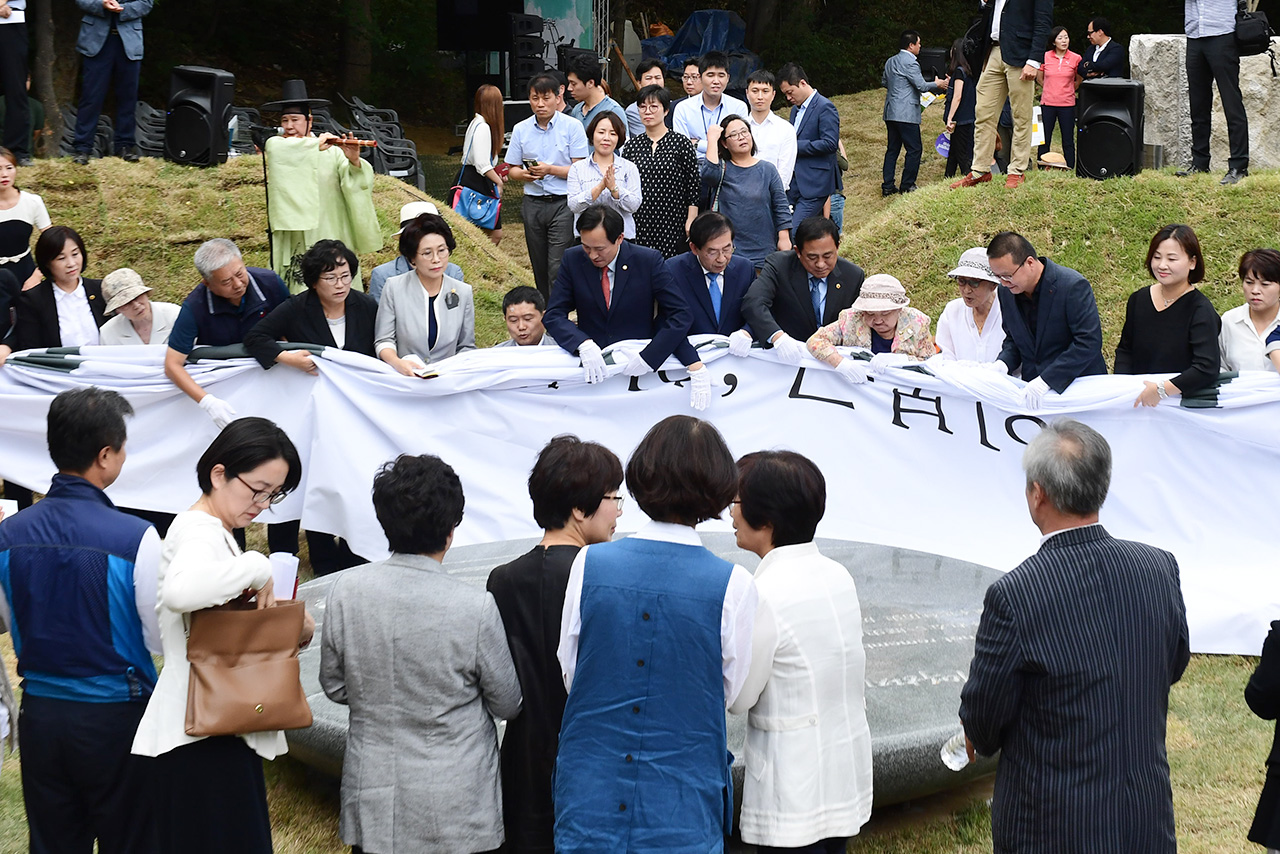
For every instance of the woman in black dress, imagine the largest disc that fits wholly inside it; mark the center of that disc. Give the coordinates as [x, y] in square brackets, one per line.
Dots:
[574, 487]
[669, 182]
[1171, 327]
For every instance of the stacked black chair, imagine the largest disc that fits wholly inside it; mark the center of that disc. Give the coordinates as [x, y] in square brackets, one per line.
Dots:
[150, 132]
[394, 155]
[101, 138]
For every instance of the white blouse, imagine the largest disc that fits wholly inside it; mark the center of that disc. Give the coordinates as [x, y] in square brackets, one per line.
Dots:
[585, 174]
[118, 330]
[477, 145]
[1243, 349]
[959, 338]
[76, 324]
[200, 566]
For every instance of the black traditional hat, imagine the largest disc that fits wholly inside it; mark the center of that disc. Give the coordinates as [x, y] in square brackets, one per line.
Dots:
[294, 100]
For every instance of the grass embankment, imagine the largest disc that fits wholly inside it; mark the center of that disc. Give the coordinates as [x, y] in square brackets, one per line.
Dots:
[152, 216]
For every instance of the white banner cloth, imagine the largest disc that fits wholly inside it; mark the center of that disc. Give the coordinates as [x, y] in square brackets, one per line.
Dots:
[912, 460]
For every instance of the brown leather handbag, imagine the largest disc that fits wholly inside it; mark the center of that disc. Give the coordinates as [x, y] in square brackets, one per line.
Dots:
[244, 673]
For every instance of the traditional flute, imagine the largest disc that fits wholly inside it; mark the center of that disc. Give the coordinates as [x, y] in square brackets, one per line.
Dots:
[363, 143]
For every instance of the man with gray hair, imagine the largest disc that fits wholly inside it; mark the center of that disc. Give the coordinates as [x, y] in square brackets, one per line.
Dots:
[1072, 664]
[229, 300]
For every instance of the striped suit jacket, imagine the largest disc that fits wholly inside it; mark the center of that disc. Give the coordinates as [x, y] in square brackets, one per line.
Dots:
[1073, 660]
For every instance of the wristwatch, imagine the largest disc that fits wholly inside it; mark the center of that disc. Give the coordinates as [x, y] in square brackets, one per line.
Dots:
[1164, 395]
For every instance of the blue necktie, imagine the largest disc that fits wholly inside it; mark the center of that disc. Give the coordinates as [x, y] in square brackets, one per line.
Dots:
[815, 296]
[714, 290]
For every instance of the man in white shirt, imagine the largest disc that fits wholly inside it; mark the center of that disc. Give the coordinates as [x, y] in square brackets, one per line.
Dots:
[775, 137]
[693, 116]
[1107, 57]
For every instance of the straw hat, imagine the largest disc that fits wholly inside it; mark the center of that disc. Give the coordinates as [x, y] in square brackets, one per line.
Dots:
[121, 287]
[1053, 160]
[881, 292]
[973, 265]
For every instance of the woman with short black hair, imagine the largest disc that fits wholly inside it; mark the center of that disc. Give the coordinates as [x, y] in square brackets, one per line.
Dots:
[421, 660]
[806, 786]
[423, 313]
[574, 487]
[66, 309]
[211, 792]
[654, 645]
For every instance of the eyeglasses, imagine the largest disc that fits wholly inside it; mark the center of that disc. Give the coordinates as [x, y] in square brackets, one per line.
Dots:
[434, 253]
[969, 284]
[618, 498]
[1009, 278]
[719, 253]
[649, 107]
[738, 134]
[692, 77]
[331, 279]
[262, 496]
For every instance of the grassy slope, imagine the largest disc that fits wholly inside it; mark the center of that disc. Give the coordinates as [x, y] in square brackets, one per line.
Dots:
[143, 216]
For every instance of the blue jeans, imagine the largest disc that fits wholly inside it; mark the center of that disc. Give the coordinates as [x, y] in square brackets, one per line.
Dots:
[109, 65]
[837, 210]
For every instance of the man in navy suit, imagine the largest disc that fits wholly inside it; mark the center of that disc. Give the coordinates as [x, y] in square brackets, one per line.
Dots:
[799, 290]
[817, 124]
[621, 291]
[1107, 56]
[713, 282]
[1051, 325]
[111, 43]
[1073, 659]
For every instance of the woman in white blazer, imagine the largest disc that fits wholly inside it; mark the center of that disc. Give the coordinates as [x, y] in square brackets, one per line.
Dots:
[210, 792]
[423, 312]
[137, 319]
[808, 751]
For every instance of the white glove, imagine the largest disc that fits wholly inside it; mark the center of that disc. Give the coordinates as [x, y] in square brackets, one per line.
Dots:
[637, 366]
[592, 361]
[700, 389]
[996, 367]
[740, 343]
[789, 349]
[1033, 394]
[881, 362]
[853, 370]
[219, 410]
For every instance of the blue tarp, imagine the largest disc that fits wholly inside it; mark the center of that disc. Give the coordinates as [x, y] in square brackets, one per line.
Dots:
[703, 31]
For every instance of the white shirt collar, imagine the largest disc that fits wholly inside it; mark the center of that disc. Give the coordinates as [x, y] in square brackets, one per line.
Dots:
[78, 292]
[668, 532]
[785, 553]
[1047, 537]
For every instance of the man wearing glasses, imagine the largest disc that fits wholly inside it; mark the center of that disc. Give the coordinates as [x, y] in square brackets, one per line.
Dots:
[1051, 327]
[713, 282]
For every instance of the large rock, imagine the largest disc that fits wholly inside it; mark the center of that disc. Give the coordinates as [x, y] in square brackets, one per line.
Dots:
[1159, 61]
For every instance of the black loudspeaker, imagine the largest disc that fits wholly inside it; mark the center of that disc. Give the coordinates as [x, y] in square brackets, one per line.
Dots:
[195, 128]
[566, 55]
[526, 25]
[1109, 127]
[933, 62]
[475, 24]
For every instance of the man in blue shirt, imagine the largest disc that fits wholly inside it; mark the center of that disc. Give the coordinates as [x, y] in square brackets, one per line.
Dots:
[79, 596]
[542, 149]
[585, 79]
[230, 299]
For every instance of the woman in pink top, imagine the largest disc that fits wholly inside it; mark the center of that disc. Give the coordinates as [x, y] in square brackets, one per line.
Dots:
[1059, 80]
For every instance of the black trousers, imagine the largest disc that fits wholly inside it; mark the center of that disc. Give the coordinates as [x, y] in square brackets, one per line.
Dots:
[1065, 117]
[79, 781]
[960, 155]
[902, 135]
[834, 845]
[110, 65]
[1215, 59]
[13, 85]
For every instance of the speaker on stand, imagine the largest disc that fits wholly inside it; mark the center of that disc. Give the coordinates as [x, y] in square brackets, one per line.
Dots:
[527, 53]
[195, 127]
[1109, 127]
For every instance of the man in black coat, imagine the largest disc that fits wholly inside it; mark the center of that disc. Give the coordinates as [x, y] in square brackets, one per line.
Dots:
[1073, 659]
[1105, 57]
[801, 289]
[1013, 38]
[1052, 331]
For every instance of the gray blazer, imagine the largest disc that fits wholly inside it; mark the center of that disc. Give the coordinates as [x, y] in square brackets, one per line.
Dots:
[402, 319]
[97, 23]
[906, 84]
[422, 660]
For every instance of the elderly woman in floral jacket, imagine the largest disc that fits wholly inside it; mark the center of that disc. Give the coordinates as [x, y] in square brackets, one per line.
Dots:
[880, 320]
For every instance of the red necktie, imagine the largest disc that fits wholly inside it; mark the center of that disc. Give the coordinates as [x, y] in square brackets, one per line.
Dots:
[604, 286]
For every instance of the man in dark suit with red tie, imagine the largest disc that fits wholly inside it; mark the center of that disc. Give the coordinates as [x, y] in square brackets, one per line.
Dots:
[620, 291]
[713, 281]
[1073, 660]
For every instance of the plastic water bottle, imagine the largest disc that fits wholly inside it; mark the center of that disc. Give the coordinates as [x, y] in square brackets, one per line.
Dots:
[954, 755]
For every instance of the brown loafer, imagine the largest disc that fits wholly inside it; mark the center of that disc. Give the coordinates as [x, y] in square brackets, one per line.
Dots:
[972, 180]
[1014, 180]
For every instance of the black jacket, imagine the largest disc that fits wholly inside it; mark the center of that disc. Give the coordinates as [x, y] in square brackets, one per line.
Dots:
[300, 320]
[1263, 696]
[1024, 30]
[779, 297]
[37, 320]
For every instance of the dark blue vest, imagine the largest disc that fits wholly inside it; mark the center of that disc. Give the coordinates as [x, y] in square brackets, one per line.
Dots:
[642, 763]
[66, 568]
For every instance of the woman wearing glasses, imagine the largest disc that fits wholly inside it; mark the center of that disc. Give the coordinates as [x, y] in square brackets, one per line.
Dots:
[969, 328]
[668, 167]
[424, 316]
[210, 792]
[746, 190]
